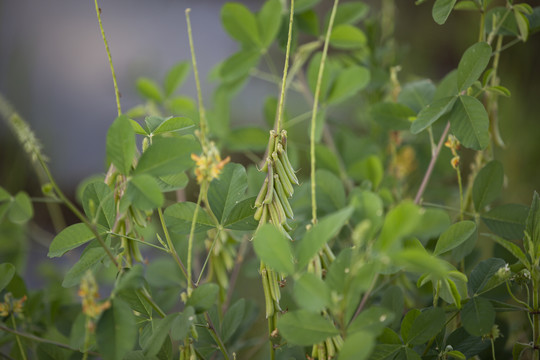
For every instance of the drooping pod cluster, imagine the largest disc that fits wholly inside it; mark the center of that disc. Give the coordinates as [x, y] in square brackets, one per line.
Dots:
[272, 202]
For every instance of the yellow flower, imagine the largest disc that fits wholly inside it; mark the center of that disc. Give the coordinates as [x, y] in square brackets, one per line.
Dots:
[209, 166]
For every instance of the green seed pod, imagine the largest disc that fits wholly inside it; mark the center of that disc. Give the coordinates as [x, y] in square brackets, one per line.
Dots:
[278, 186]
[330, 349]
[286, 226]
[262, 193]
[270, 185]
[287, 165]
[280, 170]
[274, 215]
[279, 208]
[267, 296]
[145, 144]
[258, 213]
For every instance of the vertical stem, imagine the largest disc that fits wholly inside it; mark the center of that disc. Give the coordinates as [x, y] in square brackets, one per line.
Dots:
[86, 338]
[116, 91]
[21, 349]
[314, 113]
[461, 204]
[172, 249]
[202, 113]
[536, 319]
[190, 241]
[215, 336]
[285, 70]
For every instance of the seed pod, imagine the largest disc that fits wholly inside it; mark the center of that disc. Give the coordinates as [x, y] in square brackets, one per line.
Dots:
[330, 349]
[280, 170]
[338, 342]
[279, 208]
[274, 215]
[287, 164]
[321, 351]
[273, 284]
[283, 197]
[286, 226]
[262, 193]
[270, 185]
[267, 296]
[258, 213]
[284, 139]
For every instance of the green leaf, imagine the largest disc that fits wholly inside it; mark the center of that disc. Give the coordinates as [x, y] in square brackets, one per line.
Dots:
[357, 346]
[247, 139]
[239, 65]
[470, 122]
[426, 325]
[482, 273]
[330, 191]
[478, 316]
[512, 248]
[303, 5]
[472, 64]
[432, 112]
[136, 126]
[45, 351]
[434, 222]
[173, 124]
[407, 322]
[167, 156]
[71, 237]
[348, 83]
[7, 271]
[241, 216]
[131, 279]
[203, 297]
[160, 331]
[348, 13]
[116, 331]
[330, 71]
[144, 192]
[98, 203]
[507, 220]
[347, 37]
[399, 222]
[89, 260]
[311, 292]
[393, 116]
[499, 90]
[532, 226]
[172, 182]
[442, 9]
[308, 22]
[369, 168]
[274, 249]
[269, 21]
[320, 234]
[179, 216]
[241, 24]
[456, 234]
[523, 24]
[417, 94]
[487, 184]
[149, 89]
[227, 190]
[4, 195]
[232, 319]
[182, 324]
[373, 320]
[175, 77]
[305, 328]
[447, 86]
[368, 206]
[518, 349]
[21, 209]
[121, 144]
[466, 5]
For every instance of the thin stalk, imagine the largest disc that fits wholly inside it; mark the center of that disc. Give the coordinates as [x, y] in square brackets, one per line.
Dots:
[19, 344]
[86, 337]
[492, 348]
[144, 293]
[139, 241]
[365, 298]
[190, 241]
[431, 165]
[172, 249]
[215, 336]
[41, 340]
[202, 112]
[481, 32]
[116, 91]
[461, 204]
[536, 320]
[515, 298]
[314, 113]
[285, 70]
[508, 45]
[208, 256]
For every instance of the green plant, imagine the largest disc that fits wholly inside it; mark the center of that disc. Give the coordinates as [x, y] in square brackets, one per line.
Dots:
[354, 262]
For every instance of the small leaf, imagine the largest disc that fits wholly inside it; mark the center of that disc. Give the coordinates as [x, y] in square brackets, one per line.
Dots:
[330, 71]
[357, 346]
[472, 64]
[247, 139]
[470, 123]
[175, 77]
[305, 328]
[167, 156]
[431, 113]
[487, 184]
[179, 216]
[269, 21]
[71, 237]
[241, 216]
[399, 222]
[98, 203]
[347, 37]
[330, 192]
[369, 168]
[121, 144]
[348, 83]
[373, 320]
[349, 13]
[478, 316]
[239, 65]
[274, 249]
[442, 9]
[311, 292]
[426, 325]
[532, 226]
[173, 124]
[407, 322]
[512, 248]
[182, 324]
[241, 24]
[21, 209]
[303, 5]
[523, 24]
[149, 89]
[160, 331]
[144, 192]
[482, 273]
[116, 331]
[507, 220]
[7, 271]
[232, 319]
[89, 259]
[456, 234]
[320, 234]
[417, 94]
[393, 116]
[203, 297]
[227, 190]
[499, 90]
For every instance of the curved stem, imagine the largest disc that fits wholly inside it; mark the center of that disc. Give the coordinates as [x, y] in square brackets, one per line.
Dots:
[172, 249]
[285, 70]
[116, 91]
[216, 337]
[314, 113]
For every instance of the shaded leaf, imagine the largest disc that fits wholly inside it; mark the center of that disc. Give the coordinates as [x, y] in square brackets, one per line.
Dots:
[179, 216]
[417, 94]
[116, 331]
[144, 193]
[160, 331]
[348, 83]
[507, 220]
[71, 237]
[98, 203]
[149, 89]
[7, 271]
[121, 144]
[472, 64]
[241, 24]
[431, 113]
[203, 297]
[482, 273]
[241, 216]
[470, 123]
[357, 346]
[90, 257]
[269, 21]
[487, 184]
[347, 37]
[167, 156]
[311, 292]
[454, 236]
[441, 10]
[227, 190]
[392, 116]
[305, 328]
[21, 209]
[274, 249]
[175, 77]
[232, 319]
[478, 316]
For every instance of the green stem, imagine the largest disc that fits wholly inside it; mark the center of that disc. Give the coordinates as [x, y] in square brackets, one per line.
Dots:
[116, 91]
[481, 32]
[139, 241]
[23, 354]
[461, 204]
[208, 256]
[202, 113]
[314, 113]
[215, 336]
[172, 249]
[285, 70]
[144, 293]
[536, 319]
[492, 347]
[86, 338]
[190, 241]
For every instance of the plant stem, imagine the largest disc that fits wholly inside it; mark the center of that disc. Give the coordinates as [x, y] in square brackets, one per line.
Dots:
[190, 241]
[234, 274]
[23, 353]
[172, 249]
[461, 204]
[139, 241]
[314, 113]
[431, 165]
[86, 337]
[536, 319]
[285, 70]
[365, 298]
[215, 336]
[116, 91]
[216, 237]
[144, 293]
[202, 113]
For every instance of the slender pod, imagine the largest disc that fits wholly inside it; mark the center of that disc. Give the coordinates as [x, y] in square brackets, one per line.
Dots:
[287, 164]
[280, 170]
[270, 185]
[283, 198]
[262, 194]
